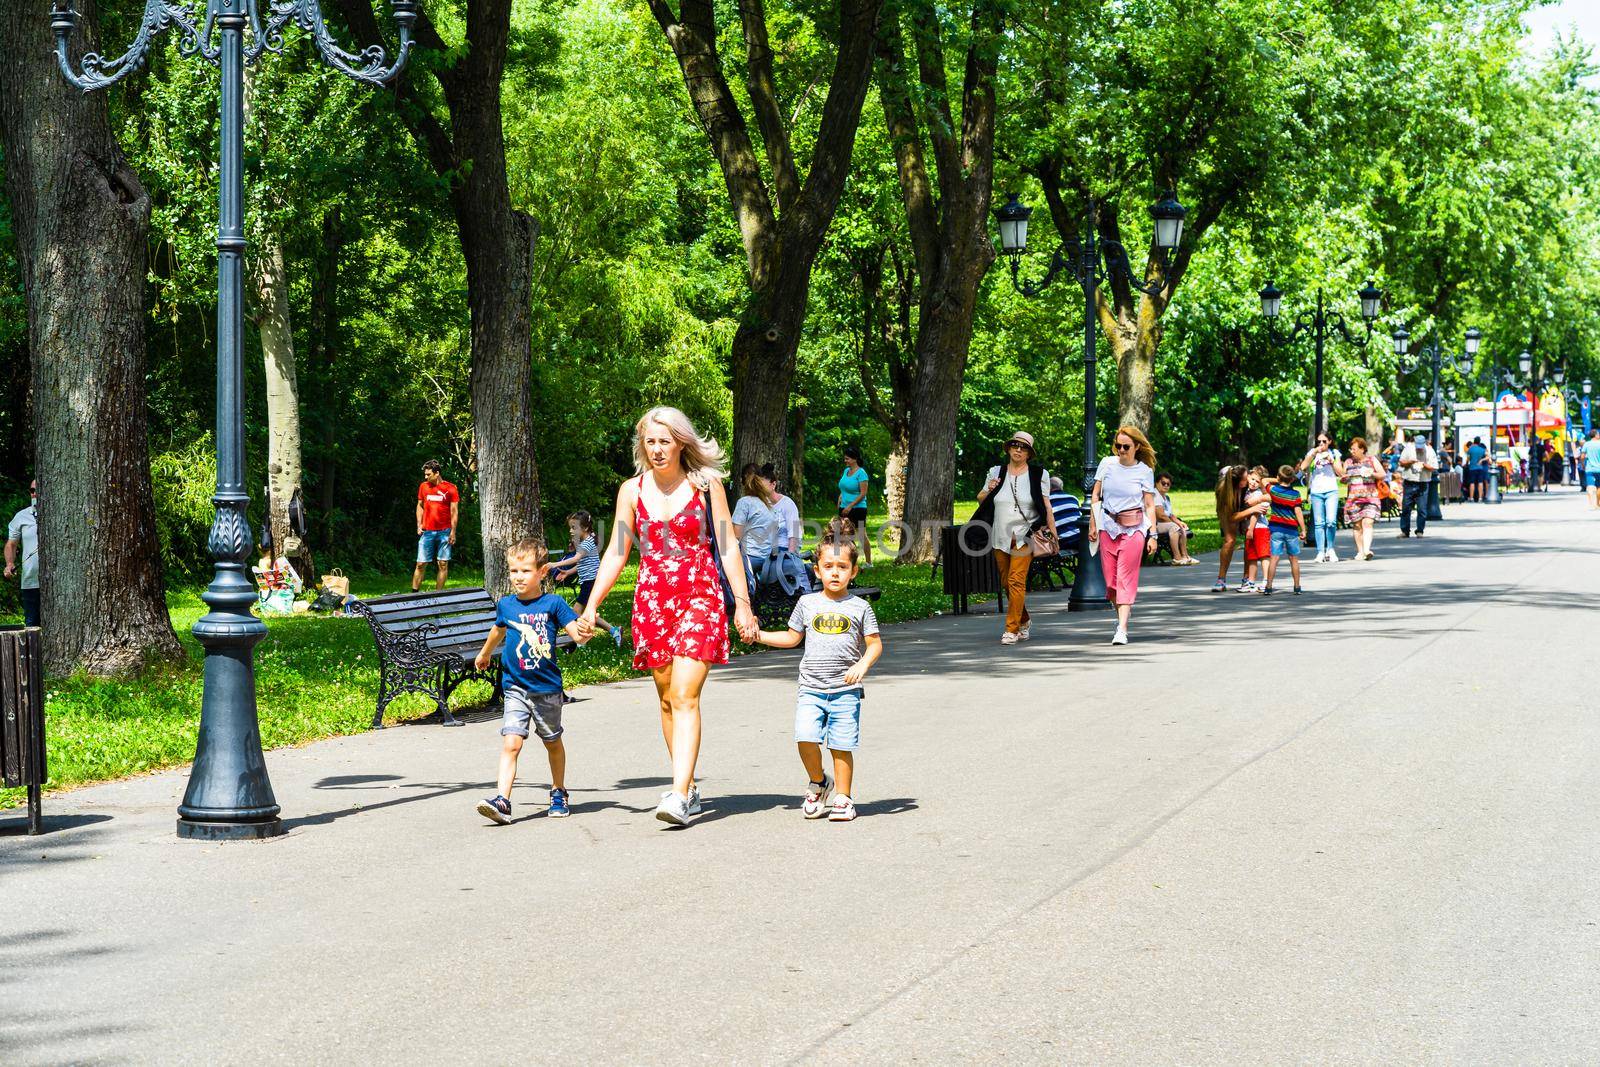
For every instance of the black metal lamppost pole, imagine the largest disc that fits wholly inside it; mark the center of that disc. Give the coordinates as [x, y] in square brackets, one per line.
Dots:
[1498, 376]
[1083, 257]
[1575, 402]
[1528, 364]
[1320, 322]
[229, 793]
[1433, 356]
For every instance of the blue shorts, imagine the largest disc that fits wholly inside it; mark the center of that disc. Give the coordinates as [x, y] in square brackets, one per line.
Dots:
[433, 545]
[1591, 479]
[832, 719]
[1285, 542]
[523, 709]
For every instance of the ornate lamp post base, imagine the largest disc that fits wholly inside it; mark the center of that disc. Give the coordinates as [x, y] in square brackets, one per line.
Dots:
[1088, 580]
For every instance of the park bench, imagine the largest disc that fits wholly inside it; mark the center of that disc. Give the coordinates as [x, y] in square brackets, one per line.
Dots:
[427, 643]
[22, 757]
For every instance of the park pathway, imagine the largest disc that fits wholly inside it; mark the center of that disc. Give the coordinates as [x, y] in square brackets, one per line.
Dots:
[1352, 826]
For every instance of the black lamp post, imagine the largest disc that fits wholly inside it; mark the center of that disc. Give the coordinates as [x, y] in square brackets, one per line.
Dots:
[1083, 257]
[1498, 376]
[229, 794]
[1528, 365]
[1433, 356]
[1320, 322]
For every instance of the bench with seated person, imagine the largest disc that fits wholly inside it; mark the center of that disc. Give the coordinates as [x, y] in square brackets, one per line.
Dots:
[1172, 533]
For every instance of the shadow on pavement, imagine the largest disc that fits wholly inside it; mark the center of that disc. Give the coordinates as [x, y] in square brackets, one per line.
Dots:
[29, 1037]
[52, 823]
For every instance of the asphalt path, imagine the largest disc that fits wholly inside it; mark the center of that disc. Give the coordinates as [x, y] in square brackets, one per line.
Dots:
[1352, 826]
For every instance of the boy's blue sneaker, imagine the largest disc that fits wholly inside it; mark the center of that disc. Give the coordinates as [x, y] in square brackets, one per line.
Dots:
[496, 809]
[616, 635]
[558, 804]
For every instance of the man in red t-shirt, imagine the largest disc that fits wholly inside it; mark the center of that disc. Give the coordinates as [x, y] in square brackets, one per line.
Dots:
[438, 507]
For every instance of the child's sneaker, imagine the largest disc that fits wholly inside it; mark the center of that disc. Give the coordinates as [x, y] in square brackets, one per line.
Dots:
[1246, 586]
[1266, 590]
[815, 805]
[1219, 586]
[496, 809]
[1297, 590]
[843, 810]
[558, 804]
[616, 635]
[674, 809]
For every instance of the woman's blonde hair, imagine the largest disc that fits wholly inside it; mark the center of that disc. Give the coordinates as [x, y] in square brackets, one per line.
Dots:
[1141, 445]
[703, 460]
[1230, 493]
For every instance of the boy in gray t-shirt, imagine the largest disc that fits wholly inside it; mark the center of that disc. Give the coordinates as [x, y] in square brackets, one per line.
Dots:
[840, 633]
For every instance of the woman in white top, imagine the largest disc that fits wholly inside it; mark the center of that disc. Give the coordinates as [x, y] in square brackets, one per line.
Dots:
[1124, 503]
[787, 510]
[755, 519]
[1324, 463]
[1014, 505]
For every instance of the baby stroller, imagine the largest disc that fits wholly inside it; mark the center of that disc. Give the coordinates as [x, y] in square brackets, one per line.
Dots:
[778, 584]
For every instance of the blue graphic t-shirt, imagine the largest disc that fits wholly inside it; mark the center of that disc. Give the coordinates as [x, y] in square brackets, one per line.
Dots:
[1476, 454]
[528, 657]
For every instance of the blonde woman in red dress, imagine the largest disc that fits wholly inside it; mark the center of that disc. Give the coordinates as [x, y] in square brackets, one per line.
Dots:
[680, 623]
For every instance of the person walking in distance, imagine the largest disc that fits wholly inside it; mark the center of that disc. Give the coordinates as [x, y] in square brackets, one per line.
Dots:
[22, 553]
[1591, 468]
[1418, 465]
[438, 509]
[853, 499]
[1323, 485]
[1363, 475]
[1124, 505]
[676, 511]
[1014, 506]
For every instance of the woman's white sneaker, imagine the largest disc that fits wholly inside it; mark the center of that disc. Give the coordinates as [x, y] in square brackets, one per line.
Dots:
[1120, 637]
[674, 809]
[1008, 638]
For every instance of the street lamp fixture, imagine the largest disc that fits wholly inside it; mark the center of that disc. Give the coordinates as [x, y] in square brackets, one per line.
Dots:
[1558, 375]
[1320, 323]
[229, 795]
[1524, 361]
[1091, 259]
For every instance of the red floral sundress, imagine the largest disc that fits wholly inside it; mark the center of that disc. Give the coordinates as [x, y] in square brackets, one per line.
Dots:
[677, 602]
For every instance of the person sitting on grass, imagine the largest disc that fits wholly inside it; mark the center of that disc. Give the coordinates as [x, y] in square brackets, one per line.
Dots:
[840, 632]
[530, 677]
[585, 563]
[1287, 524]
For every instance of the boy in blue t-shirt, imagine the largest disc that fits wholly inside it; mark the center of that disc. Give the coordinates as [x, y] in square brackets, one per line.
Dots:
[530, 677]
[1288, 526]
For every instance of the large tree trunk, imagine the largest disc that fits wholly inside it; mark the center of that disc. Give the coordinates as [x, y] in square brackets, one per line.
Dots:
[322, 342]
[894, 471]
[797, 456]
[944, 338]
[764, 351]
[1133, 345]
[497, 244]
[268, 280]
[82, 219]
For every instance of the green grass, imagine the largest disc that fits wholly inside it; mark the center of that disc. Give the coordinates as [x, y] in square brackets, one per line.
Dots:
[317, 676]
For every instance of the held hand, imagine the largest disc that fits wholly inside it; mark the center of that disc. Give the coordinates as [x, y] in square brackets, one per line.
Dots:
[586, 625]
[11, 568]
[857, 671]
[745, 620]
[482, 662]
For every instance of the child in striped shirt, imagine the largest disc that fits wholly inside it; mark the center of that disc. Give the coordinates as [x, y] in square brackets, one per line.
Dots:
[585, 561]
[1287, 524]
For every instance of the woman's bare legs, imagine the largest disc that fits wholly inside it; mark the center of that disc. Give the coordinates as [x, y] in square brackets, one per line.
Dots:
[1225, 557]
[678, 688]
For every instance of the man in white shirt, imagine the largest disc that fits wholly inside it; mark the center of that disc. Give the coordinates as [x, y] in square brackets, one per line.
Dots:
[22, 534]
[1418, 463]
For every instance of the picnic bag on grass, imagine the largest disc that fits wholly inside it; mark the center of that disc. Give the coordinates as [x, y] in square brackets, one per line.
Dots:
[336, 582]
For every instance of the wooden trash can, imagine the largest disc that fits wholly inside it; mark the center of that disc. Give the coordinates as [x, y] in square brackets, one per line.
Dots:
[22, 761]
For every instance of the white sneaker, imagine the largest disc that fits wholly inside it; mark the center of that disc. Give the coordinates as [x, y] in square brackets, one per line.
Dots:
[694, 799]
[843, 810]
[1120, 637]
[674, 809]
[1008, 638]
[1023, 635]
[815, 805]
[1333, 557]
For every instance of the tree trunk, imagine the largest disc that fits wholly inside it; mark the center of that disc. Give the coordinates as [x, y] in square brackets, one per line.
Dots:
[322, 343]
[1133, 343]
[82, 219]
[797, 456]
[944, 338]
[764, 351]
[894, 471]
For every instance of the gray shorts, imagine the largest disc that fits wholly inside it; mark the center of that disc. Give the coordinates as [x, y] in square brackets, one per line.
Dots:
[541, 710]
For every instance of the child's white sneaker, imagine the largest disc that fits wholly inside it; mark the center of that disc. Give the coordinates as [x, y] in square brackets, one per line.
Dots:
[843, 810]
[815, 805]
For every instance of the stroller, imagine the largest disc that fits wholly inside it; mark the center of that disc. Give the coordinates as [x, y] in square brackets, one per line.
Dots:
[778, 584]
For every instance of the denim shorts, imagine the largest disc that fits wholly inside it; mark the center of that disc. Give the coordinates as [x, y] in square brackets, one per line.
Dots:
[433, 545]
[1285, 542]
[522, 709]
[1591, 479]
[832, 719]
